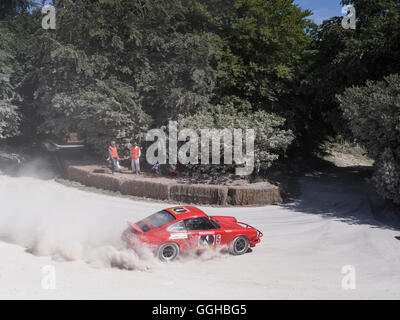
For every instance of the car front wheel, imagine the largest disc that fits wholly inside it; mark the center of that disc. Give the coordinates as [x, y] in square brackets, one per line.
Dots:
[168, 251]
[239, 245]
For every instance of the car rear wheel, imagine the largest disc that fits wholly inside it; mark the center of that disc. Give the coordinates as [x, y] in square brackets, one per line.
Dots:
[239, 245]
[168, 251]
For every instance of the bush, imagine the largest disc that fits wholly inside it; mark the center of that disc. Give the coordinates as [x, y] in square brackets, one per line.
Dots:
[9, 114]
[9, 120]
[373, 113]
[271, 140]
[387, 176]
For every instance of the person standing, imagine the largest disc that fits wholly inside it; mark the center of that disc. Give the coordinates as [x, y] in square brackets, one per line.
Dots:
[113, 156]
[135, 156]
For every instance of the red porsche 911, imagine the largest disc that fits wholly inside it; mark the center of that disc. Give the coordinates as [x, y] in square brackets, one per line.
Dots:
[177, 230]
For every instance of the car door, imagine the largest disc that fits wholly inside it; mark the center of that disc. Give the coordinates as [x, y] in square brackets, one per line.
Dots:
[202, 233]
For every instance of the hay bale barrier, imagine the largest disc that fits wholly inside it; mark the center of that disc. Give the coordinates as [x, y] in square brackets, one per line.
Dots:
[148, 189]
[254, 194]
[104, 181]
[258, 194]
[199, 194]
[78, 174]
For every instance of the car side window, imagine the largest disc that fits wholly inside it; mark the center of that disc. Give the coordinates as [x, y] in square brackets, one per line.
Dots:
[177, 227]
[198, 224]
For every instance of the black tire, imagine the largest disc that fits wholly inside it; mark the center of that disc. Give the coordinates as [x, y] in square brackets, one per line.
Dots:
[239, 246]
[168, 251]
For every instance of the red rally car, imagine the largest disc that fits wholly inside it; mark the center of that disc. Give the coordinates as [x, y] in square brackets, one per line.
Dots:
[177, 230]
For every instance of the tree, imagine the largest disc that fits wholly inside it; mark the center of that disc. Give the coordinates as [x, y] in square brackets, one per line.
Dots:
[263, 51]
[114, 75]
[9, 113]
[351, 57]
[11, 8]
[373, 115]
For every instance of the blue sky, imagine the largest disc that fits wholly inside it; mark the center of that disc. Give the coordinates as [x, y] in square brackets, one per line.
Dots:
[323, 9]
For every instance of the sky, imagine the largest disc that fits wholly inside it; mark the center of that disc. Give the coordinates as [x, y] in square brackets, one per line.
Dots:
[323, 9]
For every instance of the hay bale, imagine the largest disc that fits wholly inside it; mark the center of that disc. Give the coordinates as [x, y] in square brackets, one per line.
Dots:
[166, 189]
[146, 188]
[104, 181]
[78, 174]
[199, 194]
[254, 194]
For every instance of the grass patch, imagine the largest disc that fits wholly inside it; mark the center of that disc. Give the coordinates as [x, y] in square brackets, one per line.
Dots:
[347, 147]
[341, 151]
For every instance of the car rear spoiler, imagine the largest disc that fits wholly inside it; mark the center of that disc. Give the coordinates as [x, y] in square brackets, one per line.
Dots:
[135, 227]
[245, 225]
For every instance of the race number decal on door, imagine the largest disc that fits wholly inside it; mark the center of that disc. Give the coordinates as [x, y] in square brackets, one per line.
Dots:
[206, 241]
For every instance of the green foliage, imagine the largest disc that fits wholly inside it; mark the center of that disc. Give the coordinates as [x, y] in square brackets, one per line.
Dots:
[9, 113]
[373, 114]
[271, 140]
[387, 175]
[9, 120]
[113, 69]
[112, 76]
[10, 8]
[264, 46]
[6, 64]
[351, 57]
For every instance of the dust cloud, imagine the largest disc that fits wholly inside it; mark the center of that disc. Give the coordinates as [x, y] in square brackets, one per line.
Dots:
[51, 220]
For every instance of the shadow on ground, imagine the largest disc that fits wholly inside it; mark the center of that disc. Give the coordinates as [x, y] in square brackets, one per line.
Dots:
[345, 194]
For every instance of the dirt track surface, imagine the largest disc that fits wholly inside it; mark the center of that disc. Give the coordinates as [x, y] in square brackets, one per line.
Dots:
[305, 246]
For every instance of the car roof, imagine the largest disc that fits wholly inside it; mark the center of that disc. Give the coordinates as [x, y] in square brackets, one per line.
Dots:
[186, 212]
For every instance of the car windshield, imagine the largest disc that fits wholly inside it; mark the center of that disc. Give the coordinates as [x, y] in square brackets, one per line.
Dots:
[160, 219]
